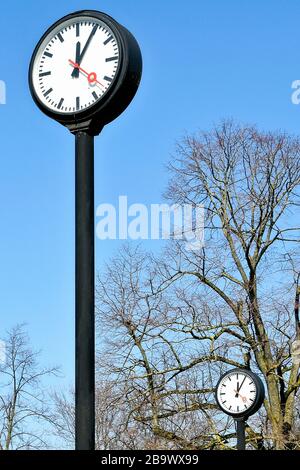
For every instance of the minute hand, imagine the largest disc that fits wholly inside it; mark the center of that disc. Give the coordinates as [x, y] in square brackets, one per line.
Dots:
[239, 388]
[85, 48]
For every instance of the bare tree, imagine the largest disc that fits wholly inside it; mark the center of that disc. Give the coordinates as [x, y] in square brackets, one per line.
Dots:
[159, 376]
[24, 403]
[64, 418]
[113, 432]
[173, 325]
[168, 326]
[249, 182]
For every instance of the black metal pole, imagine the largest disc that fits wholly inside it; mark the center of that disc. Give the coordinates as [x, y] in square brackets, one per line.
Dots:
[85, 293]
[240, 434]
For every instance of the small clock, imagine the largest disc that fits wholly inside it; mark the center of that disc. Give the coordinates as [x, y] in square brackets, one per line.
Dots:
[85, 70]
[240, 393]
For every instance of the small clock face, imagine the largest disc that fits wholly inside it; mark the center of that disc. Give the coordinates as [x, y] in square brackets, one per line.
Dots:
[75, 65]
[236, 392]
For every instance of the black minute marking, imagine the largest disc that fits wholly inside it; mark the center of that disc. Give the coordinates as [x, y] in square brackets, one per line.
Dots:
[48, 92]
[110, 59]
[60, 103]
[107, 40]
[60, 37]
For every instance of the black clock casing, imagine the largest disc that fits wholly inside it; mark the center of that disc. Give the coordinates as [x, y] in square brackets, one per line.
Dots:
[122, 91]
[259, 398]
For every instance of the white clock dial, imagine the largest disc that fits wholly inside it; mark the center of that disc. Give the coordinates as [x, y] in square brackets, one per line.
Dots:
[75, 65]
[236, 392]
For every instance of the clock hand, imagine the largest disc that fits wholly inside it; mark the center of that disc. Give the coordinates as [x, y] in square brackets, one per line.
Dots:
[239, 388]
[237, 394]
[75, 73]
[92, 77]
[79, 60]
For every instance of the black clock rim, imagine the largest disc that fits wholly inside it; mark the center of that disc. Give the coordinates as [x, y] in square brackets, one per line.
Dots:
[260, 395]
[82, 115]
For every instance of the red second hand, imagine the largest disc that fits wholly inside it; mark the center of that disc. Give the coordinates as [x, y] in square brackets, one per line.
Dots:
[92, 77]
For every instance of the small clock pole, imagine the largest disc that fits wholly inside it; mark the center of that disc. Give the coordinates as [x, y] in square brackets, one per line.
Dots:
[240, 433]
[85, 297]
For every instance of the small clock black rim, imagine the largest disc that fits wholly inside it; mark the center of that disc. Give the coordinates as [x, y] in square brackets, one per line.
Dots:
[85, 113]
[260, 395]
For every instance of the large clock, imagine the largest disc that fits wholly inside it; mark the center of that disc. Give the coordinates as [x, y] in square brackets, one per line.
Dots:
[85, 70]
[239, 393]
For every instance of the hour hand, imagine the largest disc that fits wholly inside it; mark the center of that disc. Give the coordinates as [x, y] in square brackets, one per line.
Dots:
[75, 73]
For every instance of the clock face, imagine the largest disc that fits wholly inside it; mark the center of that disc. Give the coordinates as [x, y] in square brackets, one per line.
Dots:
[75, 65]
[236, 392]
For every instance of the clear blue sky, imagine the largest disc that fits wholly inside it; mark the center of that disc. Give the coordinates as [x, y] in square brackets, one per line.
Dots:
[203, 60]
